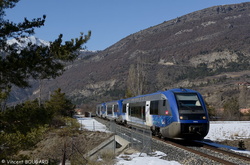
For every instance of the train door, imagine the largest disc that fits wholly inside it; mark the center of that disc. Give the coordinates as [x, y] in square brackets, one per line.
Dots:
[124, 112]
[147, 113]
[106, 110]
[103, 111]
[127, 112]
[99, 110]
[113, 113]
[114, 110]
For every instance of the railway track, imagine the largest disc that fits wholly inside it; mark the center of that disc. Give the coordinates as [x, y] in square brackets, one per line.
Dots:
[210, 152]
[231, 154]
[216, 155]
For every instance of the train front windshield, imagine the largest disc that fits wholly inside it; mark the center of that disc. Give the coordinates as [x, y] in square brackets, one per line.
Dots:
[188, 103]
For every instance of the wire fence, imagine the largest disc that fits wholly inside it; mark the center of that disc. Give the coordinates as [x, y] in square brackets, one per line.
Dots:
[93, 125]
[139, 138]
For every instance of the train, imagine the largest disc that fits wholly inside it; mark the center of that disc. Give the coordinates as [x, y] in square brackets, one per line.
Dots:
[178, 113]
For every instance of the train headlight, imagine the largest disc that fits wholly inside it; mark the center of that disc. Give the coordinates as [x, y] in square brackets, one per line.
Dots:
[204, 117]
[183, 117]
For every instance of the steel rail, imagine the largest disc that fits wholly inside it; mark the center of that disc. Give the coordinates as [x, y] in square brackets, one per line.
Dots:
[206, 146]
[219, 160]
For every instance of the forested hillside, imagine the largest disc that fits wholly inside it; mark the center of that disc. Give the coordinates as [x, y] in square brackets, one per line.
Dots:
[207, 50]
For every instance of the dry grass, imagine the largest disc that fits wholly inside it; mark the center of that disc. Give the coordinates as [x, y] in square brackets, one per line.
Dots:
[74, 144]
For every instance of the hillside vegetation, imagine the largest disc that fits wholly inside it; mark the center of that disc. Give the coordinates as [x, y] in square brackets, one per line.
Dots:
[207, 50]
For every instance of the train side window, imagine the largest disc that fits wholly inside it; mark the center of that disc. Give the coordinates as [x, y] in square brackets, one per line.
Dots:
[143, 113]
[154, 107]
[164, 108]
[124, 108]
[109, 109]
[115, 108]
[137, 110]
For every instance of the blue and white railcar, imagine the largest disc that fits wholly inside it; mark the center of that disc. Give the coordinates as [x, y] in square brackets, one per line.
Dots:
[175, 113]
[113, 109]
[101, 110]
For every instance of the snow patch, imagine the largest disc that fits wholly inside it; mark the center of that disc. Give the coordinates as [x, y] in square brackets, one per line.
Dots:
[142, 158]
[205, 24]
[92, 125]
[25, 41]
[228, 130]
[184, 31]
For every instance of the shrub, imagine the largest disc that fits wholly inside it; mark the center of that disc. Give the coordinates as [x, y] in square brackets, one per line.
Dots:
[10, 143]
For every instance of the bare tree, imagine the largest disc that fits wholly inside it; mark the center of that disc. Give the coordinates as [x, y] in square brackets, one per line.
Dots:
[231, 109]
[136, 78]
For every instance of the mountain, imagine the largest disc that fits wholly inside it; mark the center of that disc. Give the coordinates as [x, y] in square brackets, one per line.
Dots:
[19, 94]
[23, 42]
[207, 50]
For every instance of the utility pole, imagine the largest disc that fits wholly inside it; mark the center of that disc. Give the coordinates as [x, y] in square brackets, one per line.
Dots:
[40, 91]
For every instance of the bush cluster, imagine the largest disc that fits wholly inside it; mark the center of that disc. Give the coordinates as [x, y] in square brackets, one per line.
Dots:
[24, 125]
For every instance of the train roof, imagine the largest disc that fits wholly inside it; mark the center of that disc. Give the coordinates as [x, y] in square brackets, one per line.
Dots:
[181, 90]
[160, 95]
[112, 102]
[101, 104]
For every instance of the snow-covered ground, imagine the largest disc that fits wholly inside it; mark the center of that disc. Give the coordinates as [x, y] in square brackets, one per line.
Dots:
[228, 130]
[144, 159]
[92, 125]
[219, 131]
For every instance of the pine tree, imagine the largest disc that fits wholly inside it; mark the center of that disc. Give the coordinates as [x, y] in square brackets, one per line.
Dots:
[38, 62]
[24, 117]
[59, 104]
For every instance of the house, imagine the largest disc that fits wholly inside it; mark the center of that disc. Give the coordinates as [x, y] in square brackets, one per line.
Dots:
[247, 84]
[245, 110]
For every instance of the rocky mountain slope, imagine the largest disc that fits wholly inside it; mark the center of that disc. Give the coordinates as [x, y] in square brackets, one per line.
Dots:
[207, 50]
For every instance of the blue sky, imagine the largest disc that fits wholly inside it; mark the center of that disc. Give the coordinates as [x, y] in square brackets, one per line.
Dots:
[109, 20]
